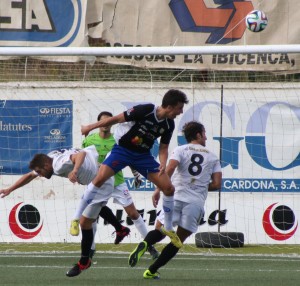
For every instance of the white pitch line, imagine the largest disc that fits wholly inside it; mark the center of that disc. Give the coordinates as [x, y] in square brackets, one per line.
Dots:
[100, 256]
[165, 269]
[118, 253]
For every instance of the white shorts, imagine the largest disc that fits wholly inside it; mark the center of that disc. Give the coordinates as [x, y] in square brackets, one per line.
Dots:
[97, 198]
[185, 215]
[121, 195]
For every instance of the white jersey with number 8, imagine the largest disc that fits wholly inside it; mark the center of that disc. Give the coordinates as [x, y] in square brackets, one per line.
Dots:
[193, 173]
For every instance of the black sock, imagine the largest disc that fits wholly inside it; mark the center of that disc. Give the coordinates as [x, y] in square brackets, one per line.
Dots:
[107, 214]
[166, 255]
[153, 237]
[86, 244]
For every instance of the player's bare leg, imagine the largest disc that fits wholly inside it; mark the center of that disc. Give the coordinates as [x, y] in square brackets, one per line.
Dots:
[163, 182]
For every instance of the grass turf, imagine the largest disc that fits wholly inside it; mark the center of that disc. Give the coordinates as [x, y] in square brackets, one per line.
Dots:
[46, 264]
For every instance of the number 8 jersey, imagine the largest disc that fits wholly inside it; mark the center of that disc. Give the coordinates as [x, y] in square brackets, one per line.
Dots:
[193, 173]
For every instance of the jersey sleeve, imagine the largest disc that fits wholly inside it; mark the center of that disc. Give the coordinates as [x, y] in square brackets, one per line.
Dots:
[175, 155]
[166, 137]
[138, 112]
[62, 160]
[217, 167]
[62, 163]
[86, 141]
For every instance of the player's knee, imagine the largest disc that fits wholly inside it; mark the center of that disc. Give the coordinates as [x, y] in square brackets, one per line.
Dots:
[100, 179]
[134, 215]
[86, 223]
[103, 175]
[169, 190]
[98, 182]
[132, 212]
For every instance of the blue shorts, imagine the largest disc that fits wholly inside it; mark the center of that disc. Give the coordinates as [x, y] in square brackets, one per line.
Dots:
[121, 157]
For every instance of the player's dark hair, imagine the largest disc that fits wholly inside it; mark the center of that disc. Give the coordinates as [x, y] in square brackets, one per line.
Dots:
[191, 129]
[107, 113]
[38, 161]
[172, 97]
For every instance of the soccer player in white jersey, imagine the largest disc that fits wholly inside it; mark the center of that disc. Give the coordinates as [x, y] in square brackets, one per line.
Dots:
[79, 166]
[194, 171]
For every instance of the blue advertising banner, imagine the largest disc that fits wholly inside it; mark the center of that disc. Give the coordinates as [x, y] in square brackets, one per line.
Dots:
[28, 127]
[42, 23]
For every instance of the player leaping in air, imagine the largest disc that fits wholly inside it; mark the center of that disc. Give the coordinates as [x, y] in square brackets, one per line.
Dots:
[104, 141]
[136, 133]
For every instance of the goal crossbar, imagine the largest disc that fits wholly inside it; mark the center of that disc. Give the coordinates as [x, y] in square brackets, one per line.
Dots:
[126, 51]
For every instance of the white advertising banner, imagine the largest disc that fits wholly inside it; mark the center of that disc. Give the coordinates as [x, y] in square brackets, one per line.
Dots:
[197, 23]
[257, 139]
[252, 214]
[136, 23]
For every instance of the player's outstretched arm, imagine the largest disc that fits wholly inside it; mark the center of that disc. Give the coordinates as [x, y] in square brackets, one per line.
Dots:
[172, 165]
[163, 157]
[24, 180]
[77, 160]
[109, 121]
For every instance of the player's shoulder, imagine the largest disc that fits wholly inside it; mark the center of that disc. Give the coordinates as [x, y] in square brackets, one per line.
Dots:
[111, 137]
[179, 150]
[146, 107]
[63, 152]
[181, 147]
[58, 152]
[91, 136]
[142, 106]
[211, 156]
[139, 111]
[189, 147]
[171, 123]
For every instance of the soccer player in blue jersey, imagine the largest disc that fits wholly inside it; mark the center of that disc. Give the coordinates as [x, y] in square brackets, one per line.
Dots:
[136, 133]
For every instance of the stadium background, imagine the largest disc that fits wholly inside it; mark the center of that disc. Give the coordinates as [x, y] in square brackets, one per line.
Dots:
[260, 187]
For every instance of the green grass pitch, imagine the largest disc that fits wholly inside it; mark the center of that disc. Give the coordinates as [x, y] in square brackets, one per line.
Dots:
[46, 264]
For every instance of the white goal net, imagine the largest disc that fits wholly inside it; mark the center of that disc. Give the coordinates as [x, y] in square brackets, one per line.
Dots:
[252, 122]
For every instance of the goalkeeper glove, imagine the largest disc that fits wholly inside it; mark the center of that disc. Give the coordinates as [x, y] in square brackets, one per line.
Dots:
[137, 179]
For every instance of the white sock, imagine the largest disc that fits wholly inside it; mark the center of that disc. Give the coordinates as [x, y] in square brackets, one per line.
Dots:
[84, 199]
[141, 226]
[80, 208]
[168, 206]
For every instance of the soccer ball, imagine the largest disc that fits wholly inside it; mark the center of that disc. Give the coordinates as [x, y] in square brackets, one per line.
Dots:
[256, 21]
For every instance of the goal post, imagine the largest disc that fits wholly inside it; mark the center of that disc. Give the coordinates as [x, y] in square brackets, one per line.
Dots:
[44, 103]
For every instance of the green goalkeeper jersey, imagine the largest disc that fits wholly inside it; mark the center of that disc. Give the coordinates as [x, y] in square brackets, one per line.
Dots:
[103, 147]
